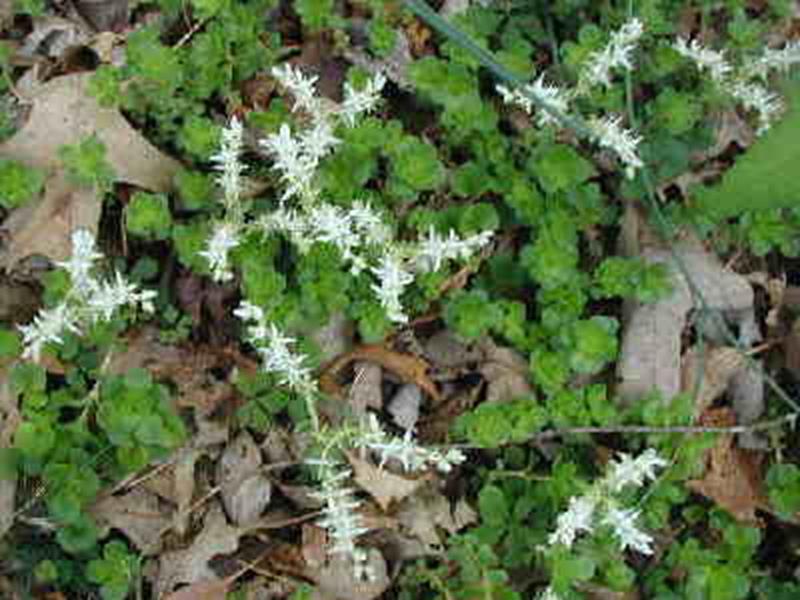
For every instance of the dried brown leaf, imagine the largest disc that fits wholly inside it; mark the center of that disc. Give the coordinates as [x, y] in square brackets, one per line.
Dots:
[707, 373]
[385, 487]
[733, 477]
[63, 208]
[246, 491]
[138, 515]
[190, 565]
[427, 512]
[9, 421]
[408, 367]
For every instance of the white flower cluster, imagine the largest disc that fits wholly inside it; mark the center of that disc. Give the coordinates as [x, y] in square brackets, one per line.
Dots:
[406, 451]
[358, 232]
[297, 157]
[397, 266]
[275, 352]
[350, 230]
[89, 299]
[607, 131]
[753, 96]
[599, 505]
[616, 54]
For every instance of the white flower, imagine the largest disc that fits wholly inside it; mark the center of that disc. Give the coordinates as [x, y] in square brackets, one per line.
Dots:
[780, 60]
[80, 263]
[292, 223]
[296, 166]
[432, 251]
[222, 241]
[623, 522]
[47, 326]
[111, 296]
[393, 277]
[577, 518]
[227, 162]
[551, 95]
[609, 134]
[405, 450]
[317, 142]
[357, 102]
[756, 97]
[339, 517]
[369, 224]
[615, 54]
[633, 471]
[548, 594]
[302, 87]
[705, 58]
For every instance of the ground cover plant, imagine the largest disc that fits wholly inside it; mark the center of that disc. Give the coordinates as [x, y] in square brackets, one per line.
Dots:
[373, 298]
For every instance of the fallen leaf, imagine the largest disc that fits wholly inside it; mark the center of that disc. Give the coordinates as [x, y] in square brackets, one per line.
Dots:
[408, 367]
[385, 487]
[190, 565]
[65, 113]
[707, 372]
[62, 208]
[427, 512]
[137, 514]
[245, 490]
[335, 580]
[733, 477]
[505, 371]
[405, 406]
[365, 391]
[651, 340]
[103, 15]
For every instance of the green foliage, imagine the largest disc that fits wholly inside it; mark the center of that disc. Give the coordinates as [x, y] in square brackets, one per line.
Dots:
[105, 86]
[86, 164]
[316, 14]
[763, 178]
[631, 278]
[783, 487]
[148, 216]
[18, 183]
[415, 167]
[496, 424]
[114, 572]
[382, 38]
[471, 314]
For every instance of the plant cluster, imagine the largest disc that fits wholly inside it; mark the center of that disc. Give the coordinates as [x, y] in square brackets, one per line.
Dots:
[366, 212]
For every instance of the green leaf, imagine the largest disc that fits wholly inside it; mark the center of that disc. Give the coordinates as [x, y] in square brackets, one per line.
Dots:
[27, 378]
[416, 163]
[10, 344]
[86, 163]
[594, 344]
[561, 168]
[148, 216]
[493, 507]
[783, 488]
[18, 183]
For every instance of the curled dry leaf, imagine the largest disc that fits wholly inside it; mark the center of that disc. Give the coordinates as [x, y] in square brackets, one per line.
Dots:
[506, 373]
[406, 366]
[336, 580]
[427, 513]
[246, 491]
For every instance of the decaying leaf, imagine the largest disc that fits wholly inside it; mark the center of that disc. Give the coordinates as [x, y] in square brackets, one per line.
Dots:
[385, 487]
[62, 208]
[336, 579]
[733, 477]
[246, 491]
[190, 565]
[651, 342]
[505, 371]
[708, 373]
[65, 113]
[405, 406]
[138, 515]
[427, 512]
[406, 366]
